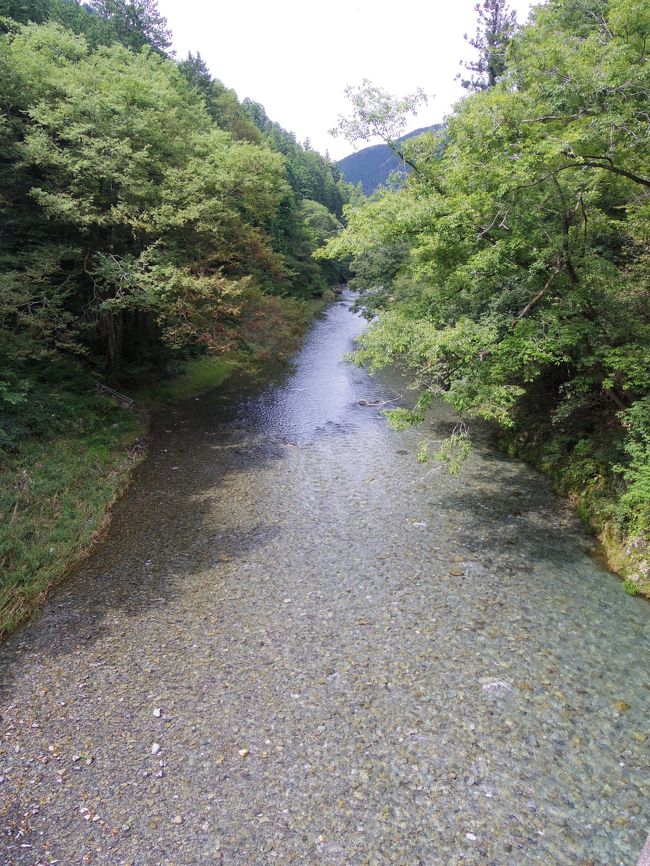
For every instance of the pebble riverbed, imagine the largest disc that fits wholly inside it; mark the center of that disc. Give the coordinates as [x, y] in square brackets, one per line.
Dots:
[298, 645]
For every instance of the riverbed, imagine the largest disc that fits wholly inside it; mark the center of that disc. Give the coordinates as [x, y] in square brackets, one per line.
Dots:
[299, 645]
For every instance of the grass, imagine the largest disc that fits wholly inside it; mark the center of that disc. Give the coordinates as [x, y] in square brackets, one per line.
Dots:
[197, 375]
[54, 498]
[56, 492]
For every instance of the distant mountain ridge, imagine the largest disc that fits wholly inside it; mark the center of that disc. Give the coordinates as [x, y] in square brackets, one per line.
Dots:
[373, 165]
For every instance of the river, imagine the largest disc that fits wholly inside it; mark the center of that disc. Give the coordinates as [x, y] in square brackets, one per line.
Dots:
[298, 645]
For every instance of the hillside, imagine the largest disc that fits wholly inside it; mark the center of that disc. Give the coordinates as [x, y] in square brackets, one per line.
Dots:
[373, 165]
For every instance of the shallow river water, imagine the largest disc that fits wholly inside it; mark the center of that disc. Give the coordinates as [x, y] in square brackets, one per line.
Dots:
[299, 645]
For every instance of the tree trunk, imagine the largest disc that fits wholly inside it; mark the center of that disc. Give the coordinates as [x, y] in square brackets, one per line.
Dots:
[114, 326]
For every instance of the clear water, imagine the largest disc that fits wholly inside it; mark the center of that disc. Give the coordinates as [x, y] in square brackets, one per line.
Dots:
[357, 659]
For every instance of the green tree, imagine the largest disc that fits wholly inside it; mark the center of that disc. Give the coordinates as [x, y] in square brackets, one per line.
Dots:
[313, 178]
[497, 25]
[135, 23]
[222, 104]
[511, 271]
[25, 11]
[130, 209]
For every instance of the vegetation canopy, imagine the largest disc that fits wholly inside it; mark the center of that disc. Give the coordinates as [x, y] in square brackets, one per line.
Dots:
[141, 203]
[510, 273]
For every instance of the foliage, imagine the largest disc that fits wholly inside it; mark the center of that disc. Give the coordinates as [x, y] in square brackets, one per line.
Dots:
[510, 273]
[128, 203]
[455, 449]
[221, 103]
[496, 27]
[134, 23]
[312, 178]
[140, 201]
[634, 505]
[377, 114]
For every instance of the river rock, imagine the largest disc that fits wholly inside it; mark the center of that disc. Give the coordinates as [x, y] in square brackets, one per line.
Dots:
[498, 689]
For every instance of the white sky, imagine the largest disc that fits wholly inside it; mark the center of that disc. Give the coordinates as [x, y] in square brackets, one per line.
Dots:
[296, 56]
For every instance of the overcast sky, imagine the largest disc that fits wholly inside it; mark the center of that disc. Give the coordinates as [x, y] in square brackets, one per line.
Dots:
[296, 56]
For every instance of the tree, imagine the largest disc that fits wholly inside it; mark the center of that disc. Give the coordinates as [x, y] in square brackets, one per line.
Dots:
[222, 104]
[131, 215]
[496, 27]
[510, 273]
[25, 10]
[378, 114]
[135, 23]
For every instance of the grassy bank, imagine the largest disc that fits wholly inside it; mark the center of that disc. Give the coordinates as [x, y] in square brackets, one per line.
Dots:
[58, 483]
[54, 499]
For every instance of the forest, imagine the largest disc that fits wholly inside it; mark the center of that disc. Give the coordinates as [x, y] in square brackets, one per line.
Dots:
[152, 225]
[142, 204]
[509, 274]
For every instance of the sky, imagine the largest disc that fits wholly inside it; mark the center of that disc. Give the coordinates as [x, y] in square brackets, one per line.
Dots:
[297, 57]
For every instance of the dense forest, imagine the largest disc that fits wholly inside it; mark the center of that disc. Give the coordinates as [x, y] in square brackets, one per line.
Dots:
[143, 206]
[509, 274]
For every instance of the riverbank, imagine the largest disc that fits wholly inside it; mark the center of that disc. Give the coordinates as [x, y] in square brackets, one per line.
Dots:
[57, 492]
[595, 493]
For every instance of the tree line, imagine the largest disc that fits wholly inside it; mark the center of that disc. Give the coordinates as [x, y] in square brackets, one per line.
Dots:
[140, 201]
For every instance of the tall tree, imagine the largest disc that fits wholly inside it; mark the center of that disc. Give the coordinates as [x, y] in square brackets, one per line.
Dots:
[511, 272]
[135, 23]
[25, 10]
[496, 27]
[221, 102]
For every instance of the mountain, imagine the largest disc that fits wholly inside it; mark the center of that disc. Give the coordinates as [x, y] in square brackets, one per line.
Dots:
[374, 164]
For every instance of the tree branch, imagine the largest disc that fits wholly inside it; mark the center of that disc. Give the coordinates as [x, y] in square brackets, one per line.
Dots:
[607, 165]
[582, 163]
[538, 297]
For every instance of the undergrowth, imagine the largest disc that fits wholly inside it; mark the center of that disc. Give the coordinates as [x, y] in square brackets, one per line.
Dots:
[54, 495]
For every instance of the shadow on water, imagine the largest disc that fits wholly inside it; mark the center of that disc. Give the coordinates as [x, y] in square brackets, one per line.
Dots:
[160, 531]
